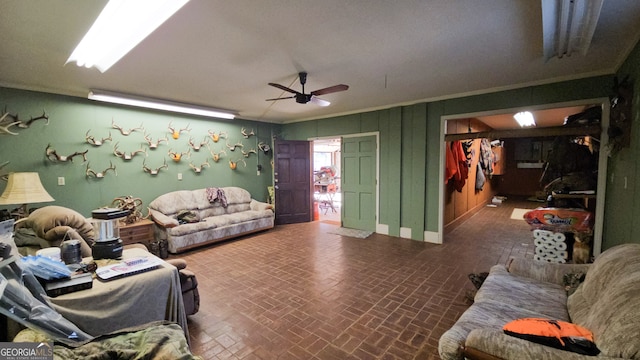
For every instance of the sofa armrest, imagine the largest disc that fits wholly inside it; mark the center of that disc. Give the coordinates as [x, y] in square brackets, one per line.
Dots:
[259, 205]
[163, 220]
[544, 271]
[491, 344]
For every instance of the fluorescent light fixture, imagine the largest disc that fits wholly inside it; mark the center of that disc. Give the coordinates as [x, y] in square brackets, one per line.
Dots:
[568, 26]
[121, 26]
[525, 118]
[158, 104]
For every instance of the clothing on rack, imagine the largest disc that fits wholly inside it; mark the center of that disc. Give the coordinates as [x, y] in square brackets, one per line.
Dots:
[457, 167]
[486, 156]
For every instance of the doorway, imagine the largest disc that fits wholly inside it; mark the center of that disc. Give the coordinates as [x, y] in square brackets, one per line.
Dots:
[602, 156]
[354, 161]
[326, 179]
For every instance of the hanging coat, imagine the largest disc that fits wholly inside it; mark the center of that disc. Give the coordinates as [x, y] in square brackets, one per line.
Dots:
[486, 156]
[480, 178]
[460, 157]
[451, 166]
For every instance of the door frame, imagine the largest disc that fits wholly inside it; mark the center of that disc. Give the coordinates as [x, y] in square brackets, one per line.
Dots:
[377, 135]
[603, 158]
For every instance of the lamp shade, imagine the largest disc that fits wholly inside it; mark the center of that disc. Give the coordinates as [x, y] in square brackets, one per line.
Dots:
[24, 188]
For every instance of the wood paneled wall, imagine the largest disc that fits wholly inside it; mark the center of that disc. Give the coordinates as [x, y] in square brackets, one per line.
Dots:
[460, 205]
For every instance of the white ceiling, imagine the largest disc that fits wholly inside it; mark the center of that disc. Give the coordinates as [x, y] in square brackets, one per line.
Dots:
[223, 53]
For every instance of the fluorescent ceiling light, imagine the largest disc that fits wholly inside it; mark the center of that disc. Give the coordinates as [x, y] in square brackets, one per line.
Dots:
[121, 26]
[525, 118]
[568, 26]
[157, 104]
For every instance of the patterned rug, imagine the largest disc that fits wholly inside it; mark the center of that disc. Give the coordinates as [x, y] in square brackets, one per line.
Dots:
[360, 234]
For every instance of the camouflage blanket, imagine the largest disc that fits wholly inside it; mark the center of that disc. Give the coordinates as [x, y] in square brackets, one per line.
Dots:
[157, 340]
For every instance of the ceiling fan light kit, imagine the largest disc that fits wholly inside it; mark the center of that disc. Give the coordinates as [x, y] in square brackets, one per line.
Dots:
[303, 98]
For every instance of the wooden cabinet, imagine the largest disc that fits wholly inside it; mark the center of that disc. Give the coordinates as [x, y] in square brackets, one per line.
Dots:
[140, 232]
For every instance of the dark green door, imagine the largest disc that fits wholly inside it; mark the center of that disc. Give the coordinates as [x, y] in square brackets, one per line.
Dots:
[358, 183]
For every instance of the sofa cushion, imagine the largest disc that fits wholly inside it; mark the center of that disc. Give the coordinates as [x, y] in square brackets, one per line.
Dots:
[542, 297]
[608, 301]
[236, 195]
[222, 220]
[236, 208]
[190, 228]
[481, 315]
[170, 203]
[214, 209]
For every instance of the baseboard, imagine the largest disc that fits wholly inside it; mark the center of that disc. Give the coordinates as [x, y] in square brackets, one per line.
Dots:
[462, 218]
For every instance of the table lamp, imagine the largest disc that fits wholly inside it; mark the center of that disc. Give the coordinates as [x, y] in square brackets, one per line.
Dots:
[24, 188]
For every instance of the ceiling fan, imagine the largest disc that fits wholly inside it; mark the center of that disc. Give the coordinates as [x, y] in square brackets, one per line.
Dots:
[303, 98]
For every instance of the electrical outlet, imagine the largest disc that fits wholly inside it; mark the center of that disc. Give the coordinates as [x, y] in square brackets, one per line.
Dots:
[179, 176]
[61, 180]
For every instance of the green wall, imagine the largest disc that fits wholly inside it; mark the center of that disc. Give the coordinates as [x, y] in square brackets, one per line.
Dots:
[410, 145]
[69, 120]
[409, 139]
[623, 206]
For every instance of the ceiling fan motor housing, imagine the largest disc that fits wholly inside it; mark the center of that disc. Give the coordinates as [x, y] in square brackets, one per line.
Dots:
[303, 98]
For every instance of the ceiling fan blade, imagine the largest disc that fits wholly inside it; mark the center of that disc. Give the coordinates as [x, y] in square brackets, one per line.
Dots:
[320, 102]
[284, 88]
[281, 98]
[330, 89]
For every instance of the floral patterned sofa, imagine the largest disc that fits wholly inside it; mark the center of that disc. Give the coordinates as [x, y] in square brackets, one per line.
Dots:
[214, 214]
[607, 303]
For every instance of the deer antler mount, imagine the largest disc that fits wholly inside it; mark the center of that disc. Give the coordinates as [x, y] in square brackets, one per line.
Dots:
[176, 133]
[216, 136]
[198, 169]
[7, 120]
[177, 156]
[154, 172]
[53, 156]
[248, 153]
[234, 164]
[247, 135]
[216, 156]
[154, 145]
[234, 146]
[197, 147]
[126, 132]
[95, 142]
[124, 156]
[100, 174]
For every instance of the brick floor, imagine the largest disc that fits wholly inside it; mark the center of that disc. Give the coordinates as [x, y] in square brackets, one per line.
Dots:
[299, 292]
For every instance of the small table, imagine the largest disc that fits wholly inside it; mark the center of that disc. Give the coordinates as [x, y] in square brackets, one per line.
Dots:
[139, 232]
[324, 194]
[130, 301]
